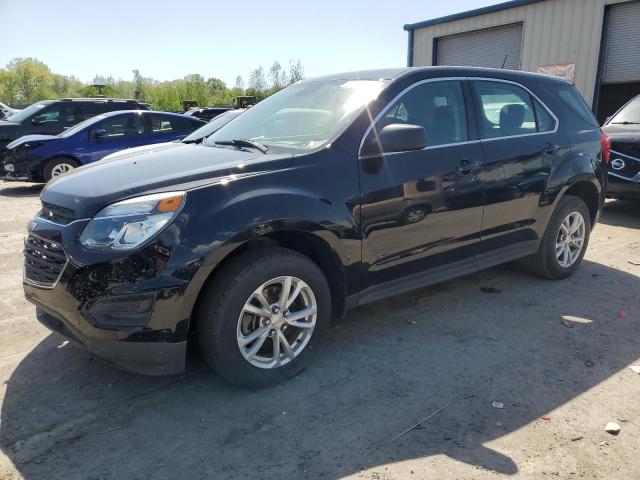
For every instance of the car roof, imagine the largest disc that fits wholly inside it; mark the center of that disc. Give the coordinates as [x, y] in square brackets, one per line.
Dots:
[443, 71]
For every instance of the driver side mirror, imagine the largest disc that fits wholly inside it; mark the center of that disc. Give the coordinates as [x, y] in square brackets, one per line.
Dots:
[397, 137]
[100, 134]
[37, 120]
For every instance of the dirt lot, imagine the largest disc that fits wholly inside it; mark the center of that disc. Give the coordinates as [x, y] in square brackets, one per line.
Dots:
[384, 368]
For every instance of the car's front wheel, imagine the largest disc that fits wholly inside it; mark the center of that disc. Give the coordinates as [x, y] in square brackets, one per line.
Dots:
[565, 241]
[58, 166]
[261, 315]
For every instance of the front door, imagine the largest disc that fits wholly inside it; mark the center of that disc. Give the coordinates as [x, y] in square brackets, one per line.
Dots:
[421, 211]
[123, 131]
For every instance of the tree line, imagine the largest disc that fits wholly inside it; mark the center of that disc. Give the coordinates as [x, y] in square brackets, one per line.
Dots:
[28, 80]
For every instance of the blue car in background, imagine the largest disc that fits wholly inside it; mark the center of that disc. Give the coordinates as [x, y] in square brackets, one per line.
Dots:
[39, 158]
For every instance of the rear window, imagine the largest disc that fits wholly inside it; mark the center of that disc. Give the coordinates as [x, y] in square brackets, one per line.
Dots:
[572, 99]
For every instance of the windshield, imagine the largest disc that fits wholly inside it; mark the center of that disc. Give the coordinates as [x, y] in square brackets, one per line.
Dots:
[18, 117]
[303, 116]
[630, 113]
[215, 124]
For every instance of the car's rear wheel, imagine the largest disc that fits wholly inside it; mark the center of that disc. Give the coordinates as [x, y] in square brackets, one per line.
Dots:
[261, 315]
[565, 241]
[58, 166]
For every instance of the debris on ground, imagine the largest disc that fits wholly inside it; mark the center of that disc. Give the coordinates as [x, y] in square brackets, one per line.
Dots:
[589, 363]
[622, 314]
[635, 368]
[497, 405]
[490, 290]
[575, 439]
[546, 418]
[567, 324]
[412, 322]
[613, 428]
[637, 264]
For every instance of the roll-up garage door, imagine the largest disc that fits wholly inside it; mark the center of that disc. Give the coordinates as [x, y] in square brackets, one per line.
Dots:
[491, 47]
[622, 55]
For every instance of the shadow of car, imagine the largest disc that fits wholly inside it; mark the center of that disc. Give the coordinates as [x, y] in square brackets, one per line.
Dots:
[385, 367]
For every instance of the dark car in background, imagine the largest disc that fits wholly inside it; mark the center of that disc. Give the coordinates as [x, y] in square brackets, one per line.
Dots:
[50, 117]
[207, 113]
[197, 136]
[623, 128]
[39, 158]
[251, 241]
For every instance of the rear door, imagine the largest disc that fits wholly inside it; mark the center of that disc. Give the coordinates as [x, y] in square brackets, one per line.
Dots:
[522, 143]
[421, 211]
[123, 131]
[166, 128]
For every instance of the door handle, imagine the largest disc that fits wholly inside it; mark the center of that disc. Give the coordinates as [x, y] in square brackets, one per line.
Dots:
[550, 148]
[467, 167]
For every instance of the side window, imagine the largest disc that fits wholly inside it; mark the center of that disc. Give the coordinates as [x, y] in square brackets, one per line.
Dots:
[160, 124]
[48, 116]
[506, 110]
[436, 106]
[544, 120]
[122, 126]
[85, 111]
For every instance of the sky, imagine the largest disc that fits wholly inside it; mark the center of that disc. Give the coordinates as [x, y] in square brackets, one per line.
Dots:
[167, 40]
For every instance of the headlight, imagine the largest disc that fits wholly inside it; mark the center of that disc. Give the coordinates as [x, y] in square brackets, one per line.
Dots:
[128, 224]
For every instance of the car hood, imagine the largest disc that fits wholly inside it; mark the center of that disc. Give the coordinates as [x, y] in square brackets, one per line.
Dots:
[88, 189]
[32, 139]
[146, 149]
[616, 130]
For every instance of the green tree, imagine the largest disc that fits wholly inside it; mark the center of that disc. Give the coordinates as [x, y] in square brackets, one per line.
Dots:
[296, 71]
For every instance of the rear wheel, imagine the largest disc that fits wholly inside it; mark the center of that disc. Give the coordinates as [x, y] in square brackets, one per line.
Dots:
[260, 316]
[565, 241]
[58, 166]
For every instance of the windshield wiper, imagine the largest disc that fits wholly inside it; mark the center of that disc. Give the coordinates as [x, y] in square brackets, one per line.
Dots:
[243, 142]
[626, 122]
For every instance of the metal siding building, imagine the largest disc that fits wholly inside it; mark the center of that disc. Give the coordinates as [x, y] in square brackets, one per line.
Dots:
[601, 37]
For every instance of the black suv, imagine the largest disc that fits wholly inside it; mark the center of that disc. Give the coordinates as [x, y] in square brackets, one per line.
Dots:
[50, 117]
[330, 194]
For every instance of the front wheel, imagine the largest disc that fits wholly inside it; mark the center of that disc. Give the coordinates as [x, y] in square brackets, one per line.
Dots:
[58, 166]
[261, 315]
[565, 240]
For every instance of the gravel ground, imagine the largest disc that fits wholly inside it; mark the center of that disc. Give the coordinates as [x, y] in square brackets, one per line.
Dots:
[555, 354]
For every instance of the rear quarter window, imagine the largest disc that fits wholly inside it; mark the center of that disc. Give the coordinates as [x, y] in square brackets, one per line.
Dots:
[569, 96]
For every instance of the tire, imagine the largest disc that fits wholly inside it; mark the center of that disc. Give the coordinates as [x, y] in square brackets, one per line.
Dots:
[223, 323]
[57, 164]
[545, 262]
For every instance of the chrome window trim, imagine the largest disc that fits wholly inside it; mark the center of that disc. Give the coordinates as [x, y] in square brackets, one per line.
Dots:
[39, 284]
[459, 79]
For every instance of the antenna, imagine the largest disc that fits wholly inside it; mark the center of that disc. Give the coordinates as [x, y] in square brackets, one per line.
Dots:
[505, 61]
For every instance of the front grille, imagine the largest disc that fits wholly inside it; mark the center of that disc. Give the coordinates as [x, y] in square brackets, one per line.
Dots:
[57, 214]
[631, 149]
[44, 261]
[630, 168]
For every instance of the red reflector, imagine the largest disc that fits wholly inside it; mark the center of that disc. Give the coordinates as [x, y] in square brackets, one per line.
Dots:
[605, 143]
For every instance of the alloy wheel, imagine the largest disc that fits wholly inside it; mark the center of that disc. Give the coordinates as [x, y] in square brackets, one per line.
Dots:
[60, 169]
[570, 239]
[276, 322]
